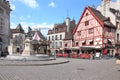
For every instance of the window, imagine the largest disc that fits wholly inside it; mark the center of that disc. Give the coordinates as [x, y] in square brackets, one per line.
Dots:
[52, 37]
[77, 44]
[56, 45]
[91, 30]
[109, 29]
[91, 42]
[86, 14]
[16, 36]
[49, 38]
[118, 25]
[60, 37]
[66, 45]
[117, 37]
[84, 43]
[60, 44]
[52, 44]
[86, 23]
[78, 33]
[55, 37]
[109, 41]
[18, 49]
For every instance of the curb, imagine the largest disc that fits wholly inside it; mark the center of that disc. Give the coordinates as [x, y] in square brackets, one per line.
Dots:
[36, 64]
[28, 59]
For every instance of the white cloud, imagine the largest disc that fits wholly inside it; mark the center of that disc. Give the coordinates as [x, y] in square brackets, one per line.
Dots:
[23, 18]
[30, 3]
[44, 27]
[12, 6]
[52, 4]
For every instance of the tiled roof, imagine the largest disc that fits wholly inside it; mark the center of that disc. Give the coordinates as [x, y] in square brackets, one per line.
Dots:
[104, 19]
[58, 28]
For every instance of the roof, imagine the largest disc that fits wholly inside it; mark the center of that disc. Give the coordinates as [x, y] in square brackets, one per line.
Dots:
[32, 33]
[104, 21]
[18, 29]
[61, 27]
[114, 11]
[58, 28]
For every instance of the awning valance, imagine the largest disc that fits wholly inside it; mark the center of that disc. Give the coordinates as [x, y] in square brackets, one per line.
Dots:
[87, 48]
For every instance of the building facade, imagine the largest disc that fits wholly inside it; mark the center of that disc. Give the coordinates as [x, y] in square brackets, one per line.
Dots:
[94, 32]
[57, 35]
[111, 9]
[17, 37]
[4, 24]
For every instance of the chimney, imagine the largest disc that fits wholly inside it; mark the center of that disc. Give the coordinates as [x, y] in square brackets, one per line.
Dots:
[68, 23]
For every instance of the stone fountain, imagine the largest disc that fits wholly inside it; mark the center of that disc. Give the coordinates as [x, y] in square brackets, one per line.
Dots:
[28, 48]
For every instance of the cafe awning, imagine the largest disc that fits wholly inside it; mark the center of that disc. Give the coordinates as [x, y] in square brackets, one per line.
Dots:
[87, 48]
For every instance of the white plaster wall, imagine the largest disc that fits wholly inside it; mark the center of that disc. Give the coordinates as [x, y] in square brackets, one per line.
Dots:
[58, 41]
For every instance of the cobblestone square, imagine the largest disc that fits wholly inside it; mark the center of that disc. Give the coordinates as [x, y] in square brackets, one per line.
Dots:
[76, 69]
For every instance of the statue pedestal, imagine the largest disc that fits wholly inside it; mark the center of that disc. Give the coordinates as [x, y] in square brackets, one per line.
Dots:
[28, 48]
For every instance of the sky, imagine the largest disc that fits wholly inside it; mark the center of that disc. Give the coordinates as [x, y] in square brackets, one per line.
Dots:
[43, 14]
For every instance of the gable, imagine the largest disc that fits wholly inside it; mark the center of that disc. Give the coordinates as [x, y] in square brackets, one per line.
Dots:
[88, 14]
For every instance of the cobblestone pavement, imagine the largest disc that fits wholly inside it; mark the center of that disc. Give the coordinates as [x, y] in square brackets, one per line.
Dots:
[76, 69]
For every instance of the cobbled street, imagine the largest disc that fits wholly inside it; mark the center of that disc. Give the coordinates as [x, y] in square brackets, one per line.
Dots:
[76, 69]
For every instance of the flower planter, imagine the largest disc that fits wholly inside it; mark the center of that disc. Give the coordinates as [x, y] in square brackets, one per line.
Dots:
[59, 55]
[74, 55]
[65, 55]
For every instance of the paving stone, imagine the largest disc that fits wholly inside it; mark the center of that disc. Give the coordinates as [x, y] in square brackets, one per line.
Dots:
[76, 69]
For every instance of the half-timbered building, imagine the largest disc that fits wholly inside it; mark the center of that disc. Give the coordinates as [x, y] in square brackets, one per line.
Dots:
[94, 32]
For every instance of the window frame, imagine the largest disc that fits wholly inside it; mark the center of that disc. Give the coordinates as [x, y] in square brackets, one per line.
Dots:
[86, 23]
[91, 30]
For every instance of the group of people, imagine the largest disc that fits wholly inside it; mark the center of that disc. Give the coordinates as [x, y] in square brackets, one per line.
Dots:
[96, 55]
[4, 53]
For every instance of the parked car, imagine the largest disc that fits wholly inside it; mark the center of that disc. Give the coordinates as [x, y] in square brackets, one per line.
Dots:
[84, 56]
[59, 55]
